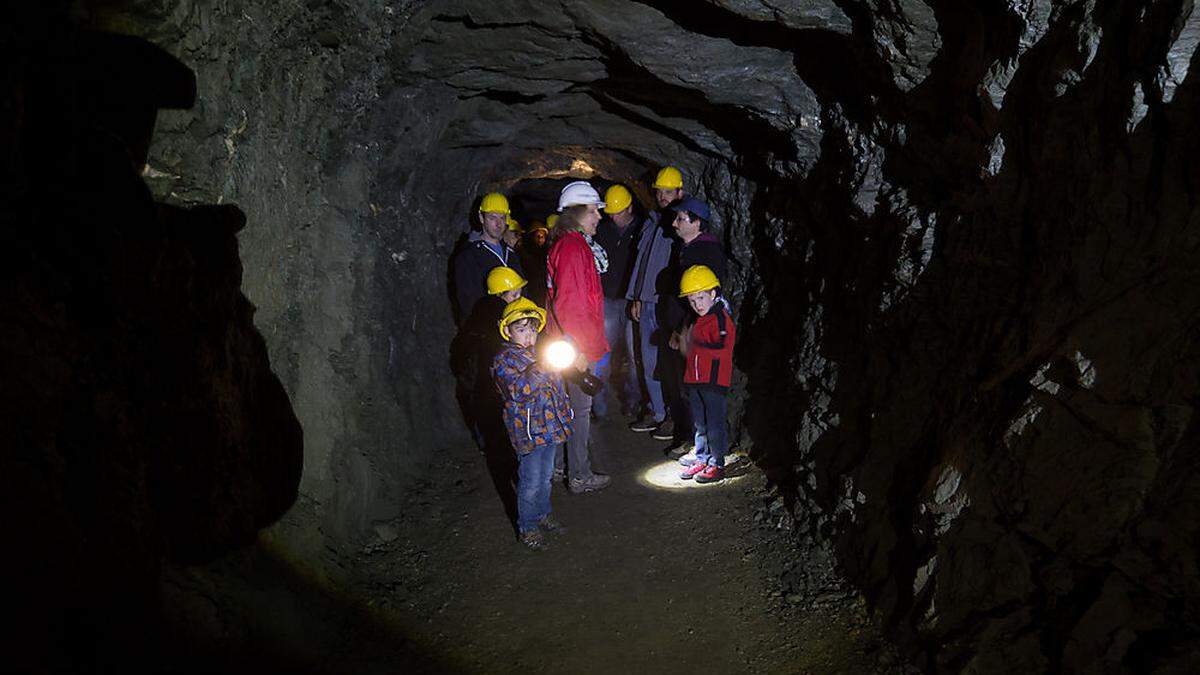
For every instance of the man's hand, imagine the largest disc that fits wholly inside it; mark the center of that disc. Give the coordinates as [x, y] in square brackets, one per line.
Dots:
[635, 310]
[581, 362]
[673, 342]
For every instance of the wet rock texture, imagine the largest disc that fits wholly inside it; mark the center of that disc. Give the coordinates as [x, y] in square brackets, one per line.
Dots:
[963, 235]
[142, 423]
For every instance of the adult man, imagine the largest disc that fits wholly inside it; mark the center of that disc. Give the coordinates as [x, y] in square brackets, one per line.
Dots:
[696, 246]
[617, 235]
[483, 251]
[647, 283]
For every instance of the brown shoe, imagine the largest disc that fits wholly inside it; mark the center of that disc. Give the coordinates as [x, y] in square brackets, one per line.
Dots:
[590, 484]
[549, 524]
[533, 540]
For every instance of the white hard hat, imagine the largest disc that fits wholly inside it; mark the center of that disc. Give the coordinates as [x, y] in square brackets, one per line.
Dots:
[579, 192]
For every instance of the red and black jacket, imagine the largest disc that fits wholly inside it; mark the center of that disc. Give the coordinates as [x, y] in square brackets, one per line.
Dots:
[710, 350]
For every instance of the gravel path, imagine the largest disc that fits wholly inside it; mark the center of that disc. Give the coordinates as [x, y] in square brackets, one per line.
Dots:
[654, 575]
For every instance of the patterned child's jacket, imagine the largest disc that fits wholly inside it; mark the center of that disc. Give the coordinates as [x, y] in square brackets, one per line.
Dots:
[537, 411]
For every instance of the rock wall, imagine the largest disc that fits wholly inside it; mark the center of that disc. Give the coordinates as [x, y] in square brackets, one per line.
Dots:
[143, 425]
[996, 330]
[963, 237]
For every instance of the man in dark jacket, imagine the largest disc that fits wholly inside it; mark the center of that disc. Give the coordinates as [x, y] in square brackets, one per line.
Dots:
[617, 235]
[484, 250]
[477, 315]
[696, 246]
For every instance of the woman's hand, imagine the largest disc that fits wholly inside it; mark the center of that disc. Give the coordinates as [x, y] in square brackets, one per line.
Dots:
[673, 342]
[581, 362]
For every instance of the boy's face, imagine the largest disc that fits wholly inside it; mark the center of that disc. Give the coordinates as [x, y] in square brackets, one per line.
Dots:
[523, 332]
[702, 301]
[509, 296]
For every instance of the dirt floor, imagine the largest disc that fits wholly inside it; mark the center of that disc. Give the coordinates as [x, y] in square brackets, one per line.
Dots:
[653, 574]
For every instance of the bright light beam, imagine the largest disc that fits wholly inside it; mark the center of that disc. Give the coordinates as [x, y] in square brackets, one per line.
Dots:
[665, 476]
[560, 354]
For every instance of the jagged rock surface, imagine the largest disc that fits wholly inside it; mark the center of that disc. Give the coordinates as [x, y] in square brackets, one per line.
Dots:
[964, 245]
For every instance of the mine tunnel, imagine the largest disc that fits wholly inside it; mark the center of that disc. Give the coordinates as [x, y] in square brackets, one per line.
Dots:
[962, 257]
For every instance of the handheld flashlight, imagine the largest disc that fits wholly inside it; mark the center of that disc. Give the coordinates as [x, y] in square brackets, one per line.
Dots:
[560, 355]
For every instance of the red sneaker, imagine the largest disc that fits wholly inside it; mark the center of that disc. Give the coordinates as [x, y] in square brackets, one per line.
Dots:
[710, 474]
[690, 472]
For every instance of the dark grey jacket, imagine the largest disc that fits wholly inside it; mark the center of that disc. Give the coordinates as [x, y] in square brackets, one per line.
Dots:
[652, 257]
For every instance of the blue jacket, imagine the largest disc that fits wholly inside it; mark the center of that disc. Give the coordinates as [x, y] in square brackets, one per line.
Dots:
[537, 410]
[649, 277]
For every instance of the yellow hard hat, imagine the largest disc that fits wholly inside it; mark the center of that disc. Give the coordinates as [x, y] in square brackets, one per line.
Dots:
[551, 221]
[502, 279]
[513, 224]
[617, 199]
[494, 202]
[521, 308]
[697, 278]
[668, 179]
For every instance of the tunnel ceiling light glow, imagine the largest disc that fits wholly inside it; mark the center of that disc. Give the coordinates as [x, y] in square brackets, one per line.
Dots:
[579, 169]
[665, 475]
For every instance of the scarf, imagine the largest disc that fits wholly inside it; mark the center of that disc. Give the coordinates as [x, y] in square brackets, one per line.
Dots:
[599, 255]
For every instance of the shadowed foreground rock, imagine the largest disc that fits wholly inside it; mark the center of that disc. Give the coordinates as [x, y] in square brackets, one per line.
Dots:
[141, 420]
[964, 244]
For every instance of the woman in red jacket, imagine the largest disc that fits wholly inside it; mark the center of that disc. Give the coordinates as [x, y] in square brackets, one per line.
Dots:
[576, 303]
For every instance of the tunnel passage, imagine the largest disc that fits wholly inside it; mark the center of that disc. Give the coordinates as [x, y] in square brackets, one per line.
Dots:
[964, 253]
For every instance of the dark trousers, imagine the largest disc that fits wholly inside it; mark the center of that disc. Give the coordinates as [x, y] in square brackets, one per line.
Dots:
[708, 416]
[670, 370]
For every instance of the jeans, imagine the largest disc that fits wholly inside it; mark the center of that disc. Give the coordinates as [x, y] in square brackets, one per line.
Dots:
[578, 465]
[648, 346]
[534, 472]
[708, 418]
[620, 364]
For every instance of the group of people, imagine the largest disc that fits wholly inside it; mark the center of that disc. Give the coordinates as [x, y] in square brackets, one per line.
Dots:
[636, 293]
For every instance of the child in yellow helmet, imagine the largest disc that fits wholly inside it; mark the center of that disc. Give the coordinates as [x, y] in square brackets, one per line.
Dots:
[506, 283]
[537, 416]
[707, 345]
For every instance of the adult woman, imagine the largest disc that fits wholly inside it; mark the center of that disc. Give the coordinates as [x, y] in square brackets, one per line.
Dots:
[575, 299]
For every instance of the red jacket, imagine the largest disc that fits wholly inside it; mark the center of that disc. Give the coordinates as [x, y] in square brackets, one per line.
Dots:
[710, 351]
[575, 299]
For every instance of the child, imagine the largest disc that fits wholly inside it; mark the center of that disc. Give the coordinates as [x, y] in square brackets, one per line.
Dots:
[505, 283]
[708, 348]
[537, 416]
[504, 286]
